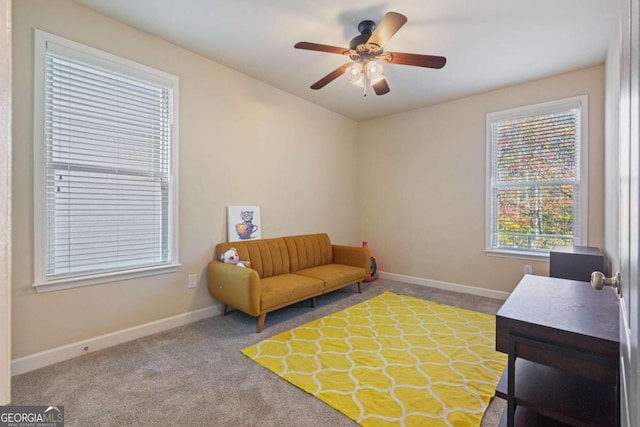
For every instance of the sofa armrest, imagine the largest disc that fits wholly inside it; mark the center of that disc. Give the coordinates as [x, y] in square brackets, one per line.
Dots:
[352, 255]
[235, 286]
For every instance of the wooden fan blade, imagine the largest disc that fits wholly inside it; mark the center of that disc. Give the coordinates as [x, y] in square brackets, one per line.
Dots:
[321, 47]
[330, 77]
[390, 24]
[381, 87]
[414, 59]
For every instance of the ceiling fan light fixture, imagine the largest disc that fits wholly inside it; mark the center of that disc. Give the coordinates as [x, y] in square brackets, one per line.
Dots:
[373, 70]
[365, 73]
[354, 74]
[354, 71]
[381, 77]
[359, 82]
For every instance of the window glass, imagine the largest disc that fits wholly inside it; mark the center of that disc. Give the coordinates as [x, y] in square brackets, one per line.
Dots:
[107, 143]
[536, 188]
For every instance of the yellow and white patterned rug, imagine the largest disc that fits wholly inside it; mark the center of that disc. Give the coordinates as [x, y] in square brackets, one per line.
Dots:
[392, 360]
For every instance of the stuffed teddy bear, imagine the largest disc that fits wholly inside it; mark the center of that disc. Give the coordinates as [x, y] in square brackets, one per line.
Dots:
[232, 257]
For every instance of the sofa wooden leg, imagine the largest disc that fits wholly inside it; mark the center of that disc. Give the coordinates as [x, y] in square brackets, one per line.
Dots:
[359, 287]
[313, 302]
[224, 309]
[261, 322]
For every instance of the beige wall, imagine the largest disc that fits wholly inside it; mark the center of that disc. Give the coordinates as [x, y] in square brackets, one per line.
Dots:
[412, 184]
[422, 183]
[241, 142]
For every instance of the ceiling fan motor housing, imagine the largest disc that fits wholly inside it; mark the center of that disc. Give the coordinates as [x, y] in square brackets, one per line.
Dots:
[366, 29]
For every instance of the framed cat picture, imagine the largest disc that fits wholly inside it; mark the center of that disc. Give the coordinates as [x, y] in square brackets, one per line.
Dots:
[243, 223]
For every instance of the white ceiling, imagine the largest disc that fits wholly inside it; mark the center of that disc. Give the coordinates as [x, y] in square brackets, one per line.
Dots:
[488, 43]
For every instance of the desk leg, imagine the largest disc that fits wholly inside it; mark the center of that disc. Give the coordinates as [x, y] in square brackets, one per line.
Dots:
[511, 388]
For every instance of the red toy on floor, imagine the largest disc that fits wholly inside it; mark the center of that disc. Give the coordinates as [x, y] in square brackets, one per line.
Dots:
[373, 267]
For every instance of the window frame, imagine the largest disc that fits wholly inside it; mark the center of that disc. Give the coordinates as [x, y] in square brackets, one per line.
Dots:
[126, 67]
[582, 172]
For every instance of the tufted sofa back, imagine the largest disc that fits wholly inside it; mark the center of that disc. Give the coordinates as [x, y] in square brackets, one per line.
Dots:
[269, 257]
[281, 255]
[308, 251]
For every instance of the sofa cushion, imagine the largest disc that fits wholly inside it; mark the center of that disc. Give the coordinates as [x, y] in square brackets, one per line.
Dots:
[310, 250]
[286, 289]
[334, 275]
[269, 257]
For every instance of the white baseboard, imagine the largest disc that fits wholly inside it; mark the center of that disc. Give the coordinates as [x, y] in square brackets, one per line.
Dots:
[69, 351]
[489, 293]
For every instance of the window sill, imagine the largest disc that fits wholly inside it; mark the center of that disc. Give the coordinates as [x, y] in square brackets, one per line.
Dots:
[505, 253]
[76, 282]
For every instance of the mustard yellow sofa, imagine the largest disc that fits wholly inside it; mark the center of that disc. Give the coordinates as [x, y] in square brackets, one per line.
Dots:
[284, 271]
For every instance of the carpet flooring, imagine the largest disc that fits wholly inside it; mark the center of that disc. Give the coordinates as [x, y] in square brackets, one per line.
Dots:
[195, 375]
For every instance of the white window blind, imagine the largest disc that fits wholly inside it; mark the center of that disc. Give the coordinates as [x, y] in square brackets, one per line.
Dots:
[536, 185]
[107, 168]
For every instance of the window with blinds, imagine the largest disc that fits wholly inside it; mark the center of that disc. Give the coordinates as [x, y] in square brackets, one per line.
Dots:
[107, 146]
[537, 177]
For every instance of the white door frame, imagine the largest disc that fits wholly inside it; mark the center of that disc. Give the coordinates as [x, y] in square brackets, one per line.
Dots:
[629, 214]
[5, 202]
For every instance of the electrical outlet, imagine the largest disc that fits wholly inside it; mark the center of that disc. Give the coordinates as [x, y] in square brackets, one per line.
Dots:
[528, 269]
[193, 281]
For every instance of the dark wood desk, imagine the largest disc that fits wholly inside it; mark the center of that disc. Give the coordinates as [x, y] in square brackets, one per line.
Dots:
[563, 345]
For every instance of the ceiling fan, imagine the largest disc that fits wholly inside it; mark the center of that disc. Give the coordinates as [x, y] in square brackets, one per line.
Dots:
[366, 53]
